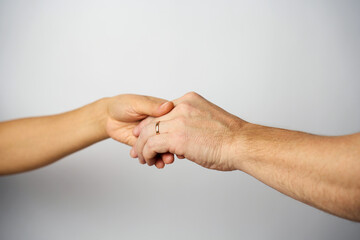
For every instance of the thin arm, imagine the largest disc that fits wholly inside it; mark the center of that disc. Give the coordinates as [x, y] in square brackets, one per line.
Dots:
[30, 143]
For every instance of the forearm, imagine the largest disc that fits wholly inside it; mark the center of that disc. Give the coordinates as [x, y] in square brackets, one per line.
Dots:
[321, 171]
[34, 142]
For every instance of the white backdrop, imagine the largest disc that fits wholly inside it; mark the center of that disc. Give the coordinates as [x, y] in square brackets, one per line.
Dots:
[289, 64]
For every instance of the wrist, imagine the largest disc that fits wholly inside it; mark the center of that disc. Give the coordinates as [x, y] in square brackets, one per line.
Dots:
[98, 115]
[239, 147]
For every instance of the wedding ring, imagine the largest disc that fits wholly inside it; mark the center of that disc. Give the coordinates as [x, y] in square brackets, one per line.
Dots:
[157, 128]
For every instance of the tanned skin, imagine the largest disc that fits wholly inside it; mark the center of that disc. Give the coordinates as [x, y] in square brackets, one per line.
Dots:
[30, 143]
[321, 171]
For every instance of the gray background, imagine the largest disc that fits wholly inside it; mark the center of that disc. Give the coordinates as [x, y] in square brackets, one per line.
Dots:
[290, 64]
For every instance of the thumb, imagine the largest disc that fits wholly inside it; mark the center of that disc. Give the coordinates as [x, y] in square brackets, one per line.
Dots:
[154, 107]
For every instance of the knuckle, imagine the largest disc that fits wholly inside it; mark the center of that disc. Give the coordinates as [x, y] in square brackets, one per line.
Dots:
[184, 107]
[180, 138]
[146, 122]
[137, 146]
[151, 144]
[181, 122]
[179, 141]
[146, 131]
[146, 155]
[191, 95]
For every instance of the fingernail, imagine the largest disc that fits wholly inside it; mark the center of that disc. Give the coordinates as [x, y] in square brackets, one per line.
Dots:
[163, 105]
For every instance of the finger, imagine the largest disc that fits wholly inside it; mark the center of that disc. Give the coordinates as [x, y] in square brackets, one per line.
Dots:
[152, 106]
[146, 121]
[168, 158]
[141, 125]
[149, 131]
[164, 109]
[155, 145]
[159, 164]
[180, 156]
[154, 160]
[131, 140]
[133, 153]
[151, 162]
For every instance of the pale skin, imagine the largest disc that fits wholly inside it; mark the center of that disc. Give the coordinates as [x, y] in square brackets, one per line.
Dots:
[321, 171]
[30, 143]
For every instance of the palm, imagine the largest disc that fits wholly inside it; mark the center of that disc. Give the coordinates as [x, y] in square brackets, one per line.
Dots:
[121, 132]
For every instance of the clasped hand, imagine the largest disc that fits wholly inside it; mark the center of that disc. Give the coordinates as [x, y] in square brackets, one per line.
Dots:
[298, 164]
[195, 129]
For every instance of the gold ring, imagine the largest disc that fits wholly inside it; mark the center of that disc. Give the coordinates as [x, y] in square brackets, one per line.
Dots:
[157, 128]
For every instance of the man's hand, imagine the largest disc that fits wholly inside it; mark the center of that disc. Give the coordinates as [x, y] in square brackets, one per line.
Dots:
[196, 129]
[320, 171]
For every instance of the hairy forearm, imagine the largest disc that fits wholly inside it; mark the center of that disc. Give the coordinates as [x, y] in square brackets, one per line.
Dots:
[30, 143]
[321, 171]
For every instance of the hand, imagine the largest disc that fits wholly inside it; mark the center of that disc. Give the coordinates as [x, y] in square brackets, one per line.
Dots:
[195, 129]
[124, 112]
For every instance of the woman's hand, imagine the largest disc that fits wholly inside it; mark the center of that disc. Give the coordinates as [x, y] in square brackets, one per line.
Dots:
[31, 143]
[124, 112]
[195, 129]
